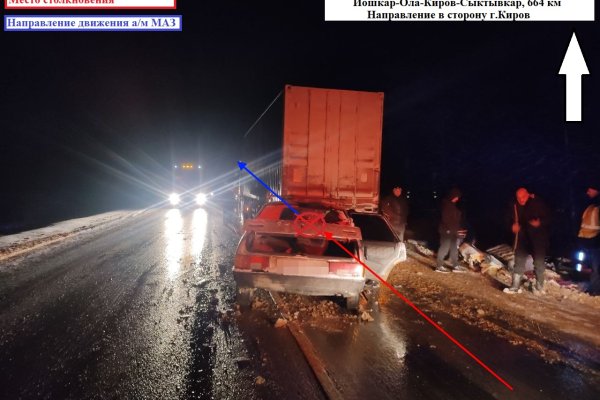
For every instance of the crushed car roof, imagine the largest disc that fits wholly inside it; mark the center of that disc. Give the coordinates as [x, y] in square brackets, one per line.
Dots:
[278, 218]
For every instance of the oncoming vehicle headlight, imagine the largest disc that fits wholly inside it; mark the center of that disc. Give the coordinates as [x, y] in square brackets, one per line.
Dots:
[174, 199]
[201, 199]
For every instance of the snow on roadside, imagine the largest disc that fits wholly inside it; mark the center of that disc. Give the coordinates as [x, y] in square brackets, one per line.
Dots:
[561, 325]
[19, 243]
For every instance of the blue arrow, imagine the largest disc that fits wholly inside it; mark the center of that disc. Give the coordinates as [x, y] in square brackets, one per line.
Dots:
[242, 166]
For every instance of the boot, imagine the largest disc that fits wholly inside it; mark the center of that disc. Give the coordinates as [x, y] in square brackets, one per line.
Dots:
[442, 269]
[516, 284]
[538, 288]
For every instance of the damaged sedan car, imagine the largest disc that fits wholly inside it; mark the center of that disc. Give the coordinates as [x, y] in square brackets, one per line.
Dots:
[271, 255]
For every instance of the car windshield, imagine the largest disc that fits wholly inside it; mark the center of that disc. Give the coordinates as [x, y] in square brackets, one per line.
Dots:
[292, 245]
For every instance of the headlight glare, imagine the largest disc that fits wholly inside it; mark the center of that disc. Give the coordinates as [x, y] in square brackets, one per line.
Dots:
[201, 199]
[174, 199]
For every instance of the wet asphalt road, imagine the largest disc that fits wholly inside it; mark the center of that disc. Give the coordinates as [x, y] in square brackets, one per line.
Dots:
[145, 310]
[140, 310]
[401, 356]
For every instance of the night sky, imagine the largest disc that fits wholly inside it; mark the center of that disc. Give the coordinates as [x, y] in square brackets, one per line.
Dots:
[90, 121]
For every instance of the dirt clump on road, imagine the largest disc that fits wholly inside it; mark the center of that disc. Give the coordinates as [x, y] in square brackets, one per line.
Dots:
[321, 312]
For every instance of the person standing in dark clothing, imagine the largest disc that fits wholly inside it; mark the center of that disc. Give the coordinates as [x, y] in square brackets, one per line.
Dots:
[394, 208]
[530, 227]
[589, 236]
[450, 224]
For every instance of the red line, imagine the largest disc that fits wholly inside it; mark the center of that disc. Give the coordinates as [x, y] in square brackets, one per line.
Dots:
[422, 314]
[310, 224]
[303, 231]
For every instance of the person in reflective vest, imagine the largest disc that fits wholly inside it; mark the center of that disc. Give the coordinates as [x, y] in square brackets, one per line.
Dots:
[589, 236]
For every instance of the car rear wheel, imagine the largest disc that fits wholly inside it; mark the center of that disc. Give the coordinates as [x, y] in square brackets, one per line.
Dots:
[371, 293]
[244, 297]
[352, 302]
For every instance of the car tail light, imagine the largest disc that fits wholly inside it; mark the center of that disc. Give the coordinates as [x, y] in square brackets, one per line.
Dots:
[346, 269]
[251, 262]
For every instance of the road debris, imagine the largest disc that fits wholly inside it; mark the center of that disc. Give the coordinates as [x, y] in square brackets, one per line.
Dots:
[281, 322]
[365, 316]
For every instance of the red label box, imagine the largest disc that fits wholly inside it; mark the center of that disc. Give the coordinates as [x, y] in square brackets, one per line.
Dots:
[90, 4]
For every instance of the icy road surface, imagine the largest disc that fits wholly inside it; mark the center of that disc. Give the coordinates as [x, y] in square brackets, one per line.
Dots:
[141, 306]
[134, 306]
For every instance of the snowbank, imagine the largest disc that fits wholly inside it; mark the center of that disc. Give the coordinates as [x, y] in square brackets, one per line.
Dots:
[20, 243]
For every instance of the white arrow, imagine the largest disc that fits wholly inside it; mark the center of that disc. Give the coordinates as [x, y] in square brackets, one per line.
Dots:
[573, 66]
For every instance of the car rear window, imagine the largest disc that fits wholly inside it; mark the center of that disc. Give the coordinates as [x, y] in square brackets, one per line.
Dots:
[292, 245]
[281, 212]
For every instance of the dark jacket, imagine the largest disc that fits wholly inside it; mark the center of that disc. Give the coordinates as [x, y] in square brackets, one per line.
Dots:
[535, 208]
[395, 209]
[451, 219]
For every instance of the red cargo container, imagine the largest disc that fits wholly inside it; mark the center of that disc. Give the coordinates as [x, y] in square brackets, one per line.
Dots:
[332, 147]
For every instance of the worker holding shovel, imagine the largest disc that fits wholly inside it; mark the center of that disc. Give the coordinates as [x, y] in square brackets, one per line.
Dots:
[530, 226]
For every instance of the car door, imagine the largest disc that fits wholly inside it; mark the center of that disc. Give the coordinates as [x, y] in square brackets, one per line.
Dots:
[382, 247]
